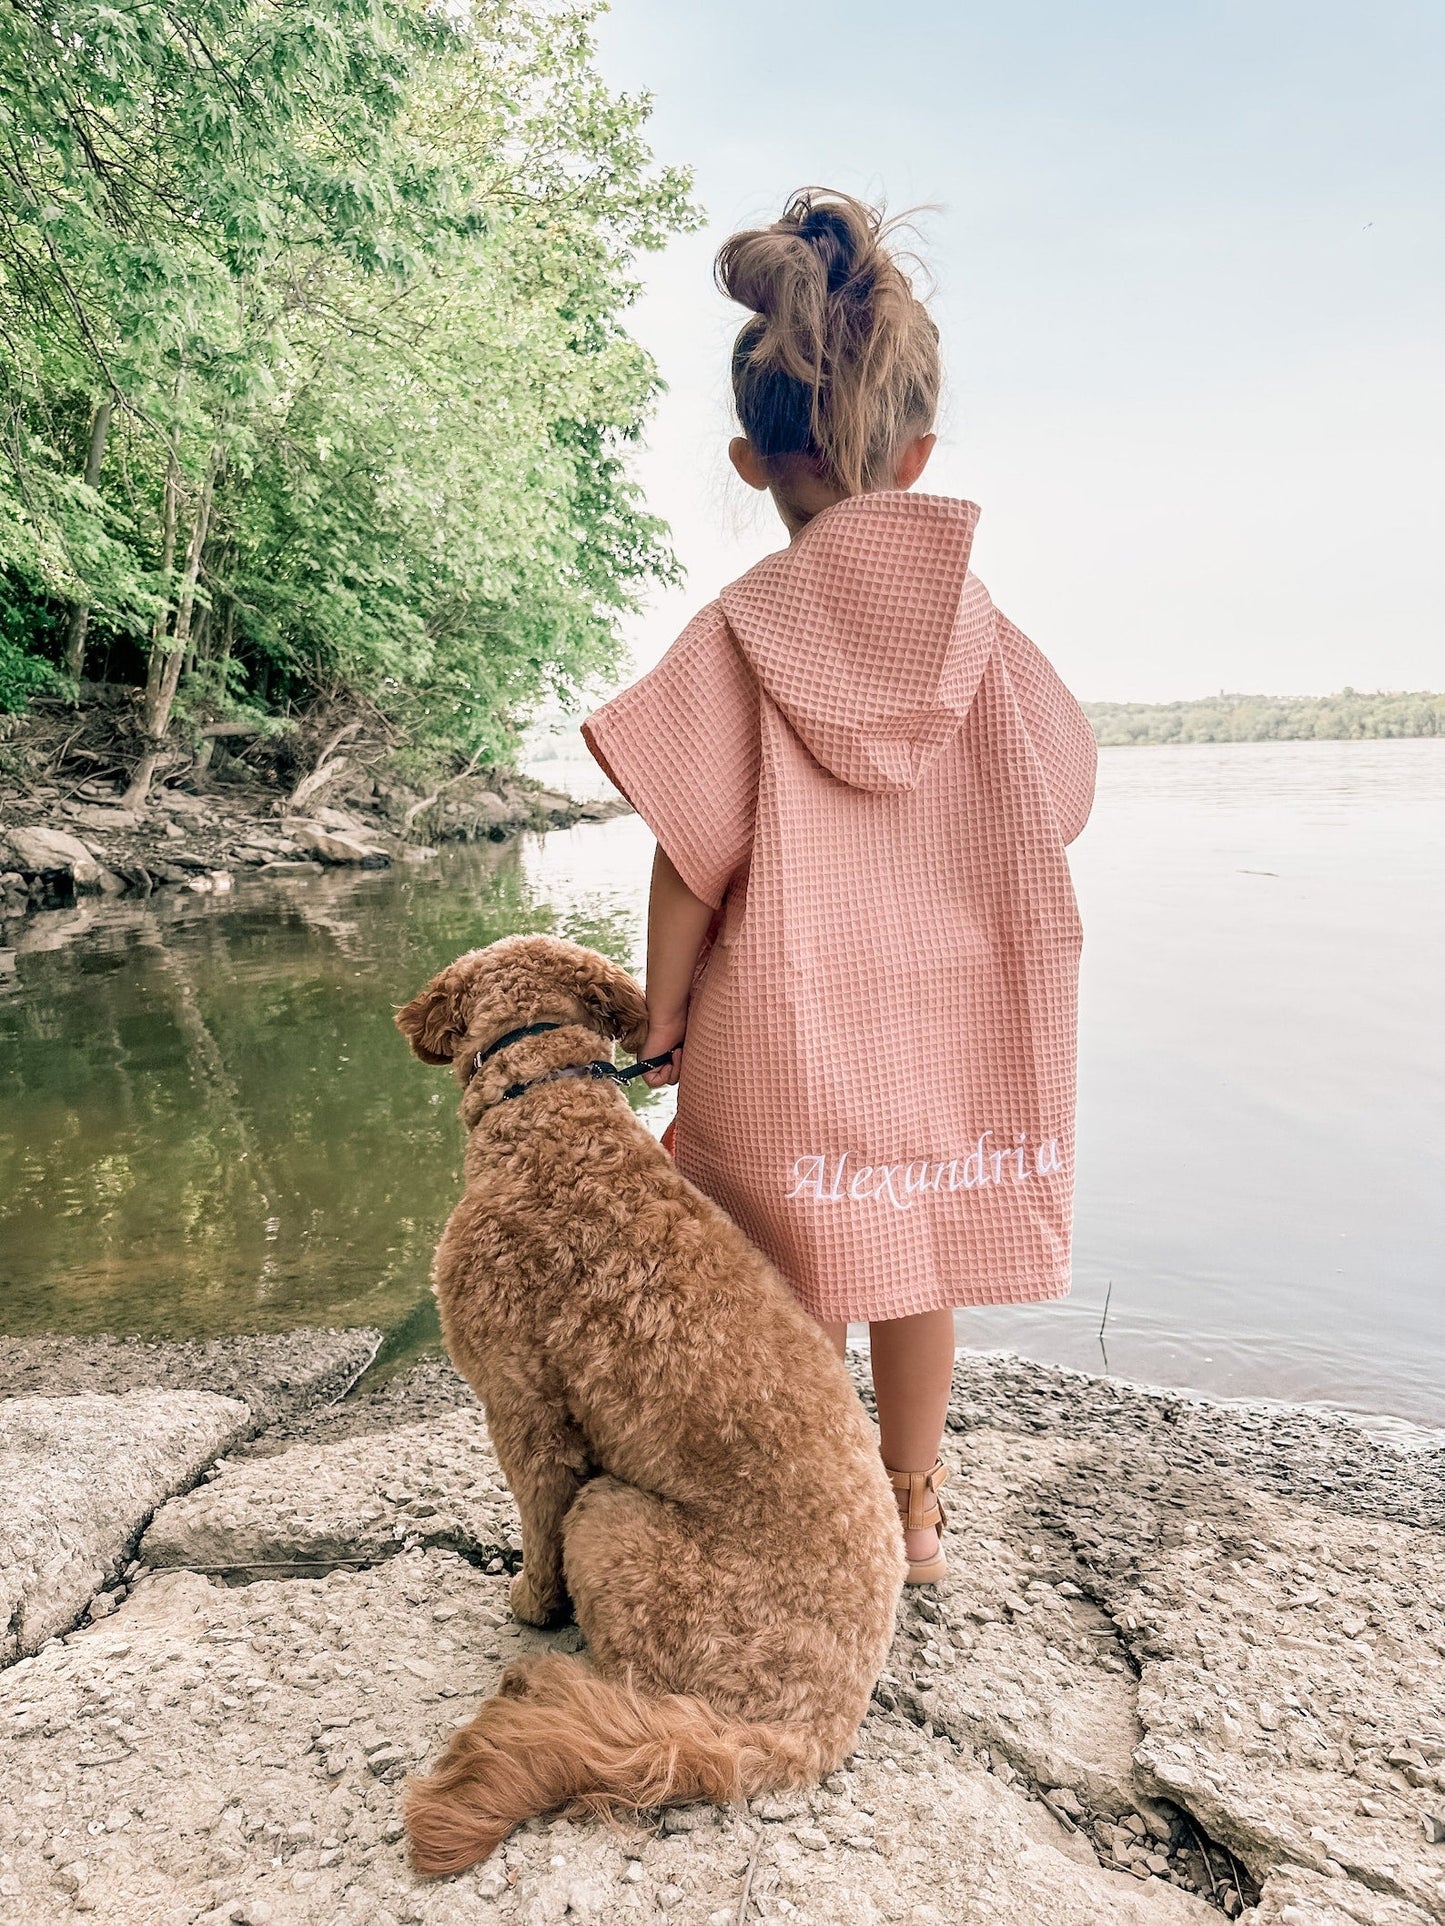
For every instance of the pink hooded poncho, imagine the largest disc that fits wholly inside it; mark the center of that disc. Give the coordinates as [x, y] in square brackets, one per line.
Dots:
[872, 774]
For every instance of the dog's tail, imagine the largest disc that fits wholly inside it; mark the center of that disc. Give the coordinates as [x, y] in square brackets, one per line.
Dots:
[557, 1735]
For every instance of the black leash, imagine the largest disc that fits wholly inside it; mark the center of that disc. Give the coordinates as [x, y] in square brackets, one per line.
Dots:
[598, 1071]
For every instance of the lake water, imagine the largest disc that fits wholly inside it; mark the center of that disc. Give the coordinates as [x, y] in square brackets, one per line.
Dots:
[208, 1123]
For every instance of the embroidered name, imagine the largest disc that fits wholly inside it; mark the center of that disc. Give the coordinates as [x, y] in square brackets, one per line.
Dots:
[840, 1180]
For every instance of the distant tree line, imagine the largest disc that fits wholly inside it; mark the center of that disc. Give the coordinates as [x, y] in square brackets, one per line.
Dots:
[313, 373]
[1348, 716]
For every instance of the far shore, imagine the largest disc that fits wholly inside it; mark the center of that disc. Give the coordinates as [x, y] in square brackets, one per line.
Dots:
[1351, 715]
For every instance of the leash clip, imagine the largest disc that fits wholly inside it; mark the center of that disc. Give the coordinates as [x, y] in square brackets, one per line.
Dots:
[644, 1064]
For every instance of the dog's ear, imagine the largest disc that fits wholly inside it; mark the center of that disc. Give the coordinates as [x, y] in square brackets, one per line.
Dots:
[435, 1022]
[614, 998]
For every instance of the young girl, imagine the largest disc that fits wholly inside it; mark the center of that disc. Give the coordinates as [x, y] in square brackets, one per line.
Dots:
[861, 777]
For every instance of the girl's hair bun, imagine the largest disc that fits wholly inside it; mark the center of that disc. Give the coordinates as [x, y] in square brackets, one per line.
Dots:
[839, 362]
[834, 238]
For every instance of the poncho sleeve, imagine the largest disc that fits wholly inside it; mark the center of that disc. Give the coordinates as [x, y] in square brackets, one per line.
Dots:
[1059, 730]
[682, 744]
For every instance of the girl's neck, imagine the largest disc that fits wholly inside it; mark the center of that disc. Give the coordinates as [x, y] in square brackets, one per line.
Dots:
[804, 498]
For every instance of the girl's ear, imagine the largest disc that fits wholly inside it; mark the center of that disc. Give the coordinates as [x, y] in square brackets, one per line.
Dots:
[614, 998]
[744, 458]
[913, 460]
[435, 1022]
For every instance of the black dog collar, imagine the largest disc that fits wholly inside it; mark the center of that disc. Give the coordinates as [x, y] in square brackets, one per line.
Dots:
[512, 1036]
[599, 1070]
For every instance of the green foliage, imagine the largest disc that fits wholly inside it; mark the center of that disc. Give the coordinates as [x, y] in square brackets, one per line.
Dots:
[367, 263]
[23, 673]
[1347, 716]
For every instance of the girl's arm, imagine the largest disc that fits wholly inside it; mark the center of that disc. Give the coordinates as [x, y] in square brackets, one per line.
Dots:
[677, 922]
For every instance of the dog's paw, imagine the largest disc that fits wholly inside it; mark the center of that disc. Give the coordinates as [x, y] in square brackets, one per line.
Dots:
[533, 1610]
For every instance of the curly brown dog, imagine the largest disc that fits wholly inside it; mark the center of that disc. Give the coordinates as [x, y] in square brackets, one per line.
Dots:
[696, 1477]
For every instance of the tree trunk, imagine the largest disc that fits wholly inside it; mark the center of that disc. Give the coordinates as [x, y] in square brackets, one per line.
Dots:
[168, 562]
[168, 652]
[228, 632]
[201, 640]
[80, 611]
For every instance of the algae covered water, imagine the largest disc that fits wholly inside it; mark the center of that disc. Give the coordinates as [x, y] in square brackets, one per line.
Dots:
[209, 1124]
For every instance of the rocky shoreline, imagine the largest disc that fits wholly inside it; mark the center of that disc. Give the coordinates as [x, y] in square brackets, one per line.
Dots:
[1191, 1663]
[64, 843]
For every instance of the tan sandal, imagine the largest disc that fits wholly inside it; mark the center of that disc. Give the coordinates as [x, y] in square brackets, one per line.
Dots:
[924, 1508]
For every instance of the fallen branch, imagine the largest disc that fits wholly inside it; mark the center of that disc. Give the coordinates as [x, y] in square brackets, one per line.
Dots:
[324, 771]
[1203, 1854]
[417, 808]
[1234, 1875]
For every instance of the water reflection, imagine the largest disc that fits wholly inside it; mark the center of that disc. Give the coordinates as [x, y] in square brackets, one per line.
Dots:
[209, 1122]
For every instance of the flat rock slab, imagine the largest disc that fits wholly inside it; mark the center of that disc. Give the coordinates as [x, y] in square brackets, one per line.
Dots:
[79, 1476]
[1300, 1451]
[1291, 1662]
[278, 1375]
[1042, 1682]
[233, 1755]
[1005, 1660]
[1296, 1897]
[348, 1502]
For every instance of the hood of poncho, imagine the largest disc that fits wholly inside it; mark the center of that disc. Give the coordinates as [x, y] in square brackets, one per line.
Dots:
[869, 634]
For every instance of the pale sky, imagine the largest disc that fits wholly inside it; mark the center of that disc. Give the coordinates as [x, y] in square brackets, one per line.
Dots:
[1190, 272]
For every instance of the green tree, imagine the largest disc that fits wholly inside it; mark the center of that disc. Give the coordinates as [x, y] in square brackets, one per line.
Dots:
[312, 367]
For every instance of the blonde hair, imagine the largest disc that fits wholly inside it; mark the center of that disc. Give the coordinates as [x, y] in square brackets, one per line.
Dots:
[839, 363]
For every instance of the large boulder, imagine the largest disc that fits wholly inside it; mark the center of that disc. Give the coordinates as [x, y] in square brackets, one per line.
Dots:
[336, 846]
[79, 1477]
[60, 861]
[37, 851]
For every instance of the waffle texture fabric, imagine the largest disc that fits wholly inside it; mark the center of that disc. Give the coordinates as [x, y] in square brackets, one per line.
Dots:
[872, 775]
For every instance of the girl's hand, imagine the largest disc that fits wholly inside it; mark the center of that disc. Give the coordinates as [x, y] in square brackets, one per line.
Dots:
[664, 1034]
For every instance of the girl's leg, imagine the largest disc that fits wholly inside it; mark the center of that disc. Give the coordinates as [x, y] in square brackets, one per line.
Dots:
[837, 1336]
[912, 1361]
